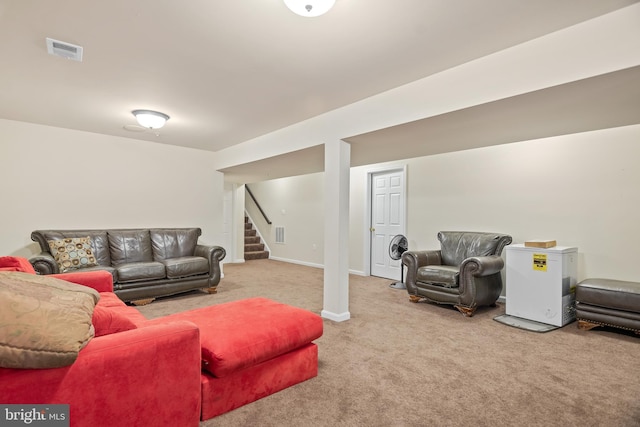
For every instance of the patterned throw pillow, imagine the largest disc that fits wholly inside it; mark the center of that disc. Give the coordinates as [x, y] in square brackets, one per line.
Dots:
[72, 253]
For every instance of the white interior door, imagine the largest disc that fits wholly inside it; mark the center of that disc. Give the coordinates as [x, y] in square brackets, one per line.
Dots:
[387, 221]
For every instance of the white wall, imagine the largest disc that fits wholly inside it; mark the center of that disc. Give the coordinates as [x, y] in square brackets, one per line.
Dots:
[297, 205]
[57, 178]
[581, 190]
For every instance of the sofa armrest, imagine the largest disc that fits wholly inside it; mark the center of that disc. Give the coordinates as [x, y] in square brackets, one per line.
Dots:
[101, 280]
[145, 376]
[16, 263]
[416, 259]
[214, 254]
[44, 263]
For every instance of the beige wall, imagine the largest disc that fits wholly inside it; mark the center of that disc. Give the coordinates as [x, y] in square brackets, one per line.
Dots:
[581, 190]
[59, 178]
[297, 205]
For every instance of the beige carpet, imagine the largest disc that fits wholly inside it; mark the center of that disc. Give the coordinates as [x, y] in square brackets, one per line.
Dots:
[396, 363]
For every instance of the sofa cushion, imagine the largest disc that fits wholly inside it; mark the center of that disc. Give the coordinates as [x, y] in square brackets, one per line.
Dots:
[444, 275]
[186, 266]
[609, 293]
[137, 271]
[127, 246]
[72, 253]
[111, 301]
[110, 320]
[173, 242]
[44, 321]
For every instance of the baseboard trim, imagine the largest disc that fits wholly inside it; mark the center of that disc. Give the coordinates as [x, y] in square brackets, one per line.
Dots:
[334, 316]
[310, 264]
[293, 261]
[502, 299]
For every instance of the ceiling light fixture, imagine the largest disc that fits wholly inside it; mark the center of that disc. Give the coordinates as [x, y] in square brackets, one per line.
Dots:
[150, 119]
[310, 8]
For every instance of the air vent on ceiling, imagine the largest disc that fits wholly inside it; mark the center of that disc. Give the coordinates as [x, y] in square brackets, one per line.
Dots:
[64, 49]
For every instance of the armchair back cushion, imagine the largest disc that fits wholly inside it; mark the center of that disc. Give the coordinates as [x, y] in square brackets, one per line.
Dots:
[456, 246]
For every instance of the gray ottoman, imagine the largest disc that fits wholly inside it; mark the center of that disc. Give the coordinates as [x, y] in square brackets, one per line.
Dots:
[606, 302]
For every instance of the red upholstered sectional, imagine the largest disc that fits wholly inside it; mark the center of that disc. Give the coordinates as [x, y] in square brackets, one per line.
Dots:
[173, 370]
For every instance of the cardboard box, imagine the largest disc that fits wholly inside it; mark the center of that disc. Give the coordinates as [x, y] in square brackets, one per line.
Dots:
[540, 243]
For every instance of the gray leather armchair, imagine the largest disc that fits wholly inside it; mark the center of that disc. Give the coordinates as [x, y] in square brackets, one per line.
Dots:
[465, 272]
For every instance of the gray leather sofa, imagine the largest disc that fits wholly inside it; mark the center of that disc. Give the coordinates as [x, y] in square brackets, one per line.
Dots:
[464, 272]
[145, 263]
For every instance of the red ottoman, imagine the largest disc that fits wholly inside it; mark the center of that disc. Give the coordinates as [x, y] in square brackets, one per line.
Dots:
[252, 348]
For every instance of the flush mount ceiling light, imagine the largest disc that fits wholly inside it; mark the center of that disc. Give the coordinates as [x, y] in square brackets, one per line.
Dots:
[150, 119]
[309, 8]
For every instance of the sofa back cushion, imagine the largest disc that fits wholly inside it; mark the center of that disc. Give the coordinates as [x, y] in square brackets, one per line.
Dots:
[99, 241]
[456, 246]
[44, 321]
[173, 242]
[127, 246]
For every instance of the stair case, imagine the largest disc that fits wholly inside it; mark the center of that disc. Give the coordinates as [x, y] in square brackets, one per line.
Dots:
[253, 247]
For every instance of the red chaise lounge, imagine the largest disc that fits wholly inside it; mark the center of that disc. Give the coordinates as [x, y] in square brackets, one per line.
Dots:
[174, 370]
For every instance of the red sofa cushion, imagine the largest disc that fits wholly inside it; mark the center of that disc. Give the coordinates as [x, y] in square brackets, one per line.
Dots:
[224, 352]
[107, 321]
[111, 315]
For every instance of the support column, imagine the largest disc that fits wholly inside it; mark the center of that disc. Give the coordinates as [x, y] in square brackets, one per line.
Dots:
[337, 163]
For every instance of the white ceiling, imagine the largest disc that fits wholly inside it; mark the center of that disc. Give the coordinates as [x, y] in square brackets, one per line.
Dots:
[227, 71]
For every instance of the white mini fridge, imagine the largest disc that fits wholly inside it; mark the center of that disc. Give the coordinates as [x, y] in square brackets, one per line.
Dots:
[540, 283]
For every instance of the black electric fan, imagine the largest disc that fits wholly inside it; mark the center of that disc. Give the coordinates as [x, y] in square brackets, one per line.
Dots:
[397, 247]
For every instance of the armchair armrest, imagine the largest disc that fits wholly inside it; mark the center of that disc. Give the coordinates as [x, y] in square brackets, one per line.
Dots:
[416, 259]
[145, 376]
[101, 280]
[214, 254]
[479, 266]
[44, 263]
[482, 268]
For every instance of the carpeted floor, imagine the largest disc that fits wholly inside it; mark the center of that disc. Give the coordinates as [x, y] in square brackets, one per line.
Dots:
[396, 363]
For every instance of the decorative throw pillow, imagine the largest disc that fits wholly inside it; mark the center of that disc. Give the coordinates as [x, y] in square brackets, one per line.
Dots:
[72, 253]
[109, 320]
[44, 321]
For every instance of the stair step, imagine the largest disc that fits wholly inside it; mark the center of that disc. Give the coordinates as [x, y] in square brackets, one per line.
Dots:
[256, 255]
[253, 247]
